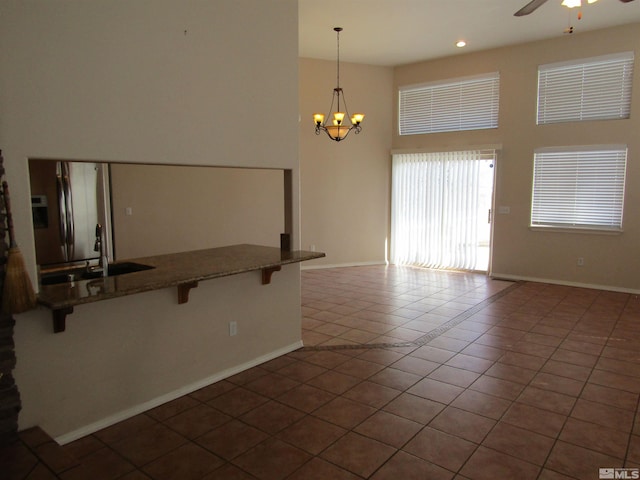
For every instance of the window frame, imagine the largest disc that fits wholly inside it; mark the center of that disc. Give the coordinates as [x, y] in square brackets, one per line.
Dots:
[593, 185]
[467, 116]
[581, 90]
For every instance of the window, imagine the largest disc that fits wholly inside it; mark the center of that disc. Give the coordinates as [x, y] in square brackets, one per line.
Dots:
[440, 209]
[591, 89]
[579, 187]
[469, 103]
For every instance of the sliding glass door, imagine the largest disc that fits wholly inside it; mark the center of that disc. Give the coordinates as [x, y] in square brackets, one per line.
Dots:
[441, 209]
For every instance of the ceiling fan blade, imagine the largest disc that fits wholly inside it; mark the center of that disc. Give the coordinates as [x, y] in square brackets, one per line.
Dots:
[530, 7]
[626, 1]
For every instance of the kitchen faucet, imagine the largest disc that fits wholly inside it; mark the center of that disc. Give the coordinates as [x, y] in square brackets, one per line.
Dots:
[103, 262]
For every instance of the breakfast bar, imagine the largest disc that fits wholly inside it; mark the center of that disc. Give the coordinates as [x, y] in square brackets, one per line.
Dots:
[182, 270]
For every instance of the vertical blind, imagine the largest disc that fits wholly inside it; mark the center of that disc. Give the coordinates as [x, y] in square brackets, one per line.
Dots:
[579, 188]
[434, 209]
[469, 103]
[591, 89]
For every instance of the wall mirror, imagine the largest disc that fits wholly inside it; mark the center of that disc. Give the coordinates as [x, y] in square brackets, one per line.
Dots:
[150, 209]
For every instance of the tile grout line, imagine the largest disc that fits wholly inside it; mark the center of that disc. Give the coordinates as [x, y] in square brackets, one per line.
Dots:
[635, 414]
[423, 340]
[542, 466]
[568, 415]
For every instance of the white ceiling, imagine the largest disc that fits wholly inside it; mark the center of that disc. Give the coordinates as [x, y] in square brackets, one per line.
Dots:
[396, 32]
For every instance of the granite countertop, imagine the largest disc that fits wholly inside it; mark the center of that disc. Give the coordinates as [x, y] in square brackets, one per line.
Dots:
[176, 269]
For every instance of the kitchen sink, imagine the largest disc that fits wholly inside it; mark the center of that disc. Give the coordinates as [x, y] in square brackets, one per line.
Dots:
[81, 273]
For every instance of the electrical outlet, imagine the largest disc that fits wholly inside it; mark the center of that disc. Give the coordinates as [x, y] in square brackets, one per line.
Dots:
[580, 261]
[233, 329]
[312, 248]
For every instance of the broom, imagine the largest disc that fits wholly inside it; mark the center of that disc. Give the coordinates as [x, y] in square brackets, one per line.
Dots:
[17, 295]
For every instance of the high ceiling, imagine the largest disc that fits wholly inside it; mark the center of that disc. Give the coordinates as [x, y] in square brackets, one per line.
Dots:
[396, 32]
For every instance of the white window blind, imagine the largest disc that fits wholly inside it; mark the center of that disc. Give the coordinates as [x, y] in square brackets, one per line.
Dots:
[592, 89]
[469, 103]
[579, 188]
[440, 205]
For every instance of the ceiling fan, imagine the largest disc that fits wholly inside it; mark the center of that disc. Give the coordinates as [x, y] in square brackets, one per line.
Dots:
[533, 5]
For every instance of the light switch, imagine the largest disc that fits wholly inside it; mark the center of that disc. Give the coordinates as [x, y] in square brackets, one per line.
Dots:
[504, 210]
[128, 211]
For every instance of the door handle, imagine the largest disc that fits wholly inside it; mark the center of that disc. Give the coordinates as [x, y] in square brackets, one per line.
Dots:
[62, 212]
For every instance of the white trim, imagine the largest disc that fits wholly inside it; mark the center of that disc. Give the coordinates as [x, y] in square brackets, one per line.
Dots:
[609, 288]
[343, 265]
[584, 230]
[603, 147]
[167, 397]
[451, 148]
[451, 81]
[587, 60]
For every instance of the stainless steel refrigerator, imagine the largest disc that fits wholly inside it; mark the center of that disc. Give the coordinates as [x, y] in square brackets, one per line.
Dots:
[68, 200]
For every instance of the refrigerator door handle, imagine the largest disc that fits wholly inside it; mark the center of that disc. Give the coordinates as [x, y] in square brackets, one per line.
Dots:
[68, 194]
[62, 216]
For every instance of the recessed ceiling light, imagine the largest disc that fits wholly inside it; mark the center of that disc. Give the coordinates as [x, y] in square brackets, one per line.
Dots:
[460, 43]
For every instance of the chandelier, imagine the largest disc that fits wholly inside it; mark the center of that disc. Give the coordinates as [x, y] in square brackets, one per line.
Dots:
[339, 128]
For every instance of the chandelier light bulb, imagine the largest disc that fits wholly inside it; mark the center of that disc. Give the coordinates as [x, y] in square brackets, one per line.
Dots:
[357, 118]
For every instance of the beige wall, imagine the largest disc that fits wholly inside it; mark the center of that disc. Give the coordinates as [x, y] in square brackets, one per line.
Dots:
[162, 81]
[611, 261]
[345, 185]
[179, 208]
[159, 81]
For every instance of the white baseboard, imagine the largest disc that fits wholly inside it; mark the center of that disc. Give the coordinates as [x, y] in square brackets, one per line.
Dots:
[495, 276]
[611, 288]
[342, 265]
[143, 407]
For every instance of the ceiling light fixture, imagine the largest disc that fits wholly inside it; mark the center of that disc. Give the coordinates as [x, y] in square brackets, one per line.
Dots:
[339, 129]
[533, 5]
[575, 3]
[461, 43]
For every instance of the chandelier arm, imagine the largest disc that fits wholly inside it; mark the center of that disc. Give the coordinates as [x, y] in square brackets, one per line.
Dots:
[346, 110]
[333, 98]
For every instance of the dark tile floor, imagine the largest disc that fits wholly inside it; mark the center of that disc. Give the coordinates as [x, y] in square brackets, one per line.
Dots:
[437, 376]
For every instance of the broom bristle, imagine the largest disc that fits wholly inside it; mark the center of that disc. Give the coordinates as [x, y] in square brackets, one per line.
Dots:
[18, 295]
